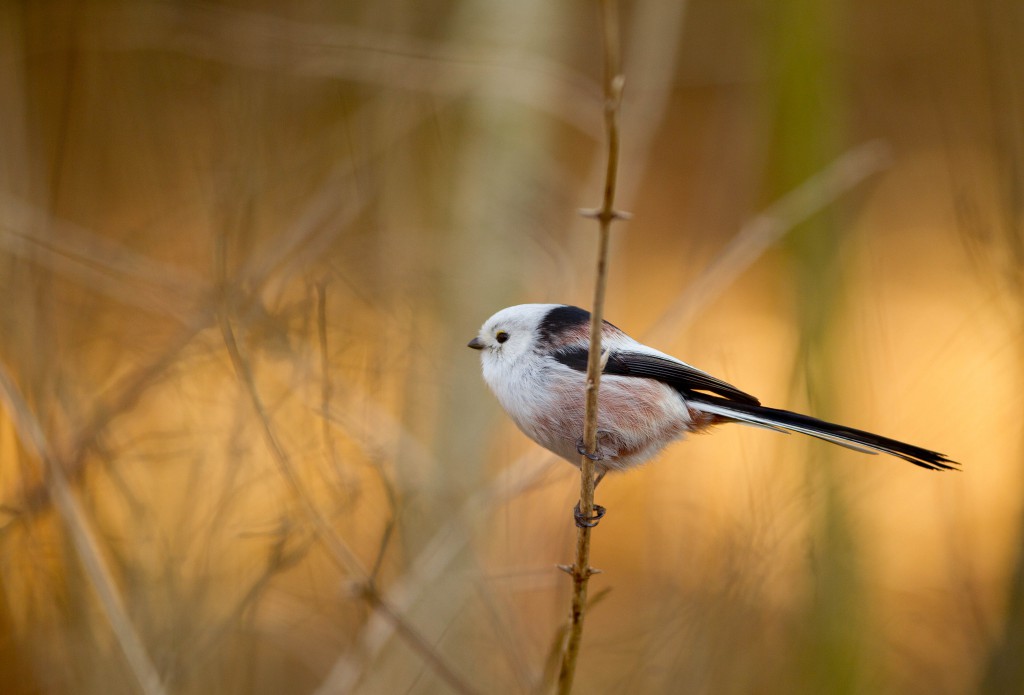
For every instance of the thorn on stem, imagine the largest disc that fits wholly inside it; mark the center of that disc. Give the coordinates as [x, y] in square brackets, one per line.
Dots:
[571, 571]
[618, 84]
[604, 215]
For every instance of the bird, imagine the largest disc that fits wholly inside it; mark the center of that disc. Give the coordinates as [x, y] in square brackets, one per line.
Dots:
[534, 359]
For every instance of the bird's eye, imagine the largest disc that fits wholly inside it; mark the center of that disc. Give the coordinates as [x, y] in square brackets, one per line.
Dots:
[501, 336]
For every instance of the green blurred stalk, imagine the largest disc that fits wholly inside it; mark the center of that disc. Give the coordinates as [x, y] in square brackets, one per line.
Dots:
[1000, 24]
[806, 98]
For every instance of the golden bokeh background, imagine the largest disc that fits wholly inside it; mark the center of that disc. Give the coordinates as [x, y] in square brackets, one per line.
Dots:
[243, 246]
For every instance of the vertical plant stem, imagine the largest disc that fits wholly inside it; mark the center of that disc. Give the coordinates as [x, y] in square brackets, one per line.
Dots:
[581, 570]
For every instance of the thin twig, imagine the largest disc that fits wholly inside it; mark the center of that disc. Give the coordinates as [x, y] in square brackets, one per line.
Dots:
[765, 229]
[326, 397]
[581, 570]
[343, 556]
[83, 537]
[326, 388]
[341, 51]
[125, 394]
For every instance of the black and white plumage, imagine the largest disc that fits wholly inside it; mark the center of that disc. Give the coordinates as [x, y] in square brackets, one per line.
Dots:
[534, 359]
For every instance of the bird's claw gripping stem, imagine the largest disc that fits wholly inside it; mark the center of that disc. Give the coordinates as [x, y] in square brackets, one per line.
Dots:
[588, 521]
[582, 448]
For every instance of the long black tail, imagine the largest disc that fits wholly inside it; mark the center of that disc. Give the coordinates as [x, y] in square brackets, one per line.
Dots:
[786, 421]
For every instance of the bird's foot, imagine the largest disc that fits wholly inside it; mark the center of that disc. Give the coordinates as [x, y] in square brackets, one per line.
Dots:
[588, 521]
[597, 455]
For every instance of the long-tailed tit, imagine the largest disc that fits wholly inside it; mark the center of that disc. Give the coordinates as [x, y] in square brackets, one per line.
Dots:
[535, 360]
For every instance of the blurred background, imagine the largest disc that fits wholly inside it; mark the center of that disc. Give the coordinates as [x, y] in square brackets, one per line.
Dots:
[243, 246]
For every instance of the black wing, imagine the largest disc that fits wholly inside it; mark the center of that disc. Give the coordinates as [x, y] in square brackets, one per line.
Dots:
[679, 376]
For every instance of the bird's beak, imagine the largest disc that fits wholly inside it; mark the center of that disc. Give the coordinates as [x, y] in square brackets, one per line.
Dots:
[476, 344]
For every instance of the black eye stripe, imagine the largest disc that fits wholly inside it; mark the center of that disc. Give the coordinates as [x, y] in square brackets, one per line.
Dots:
[501, 336]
